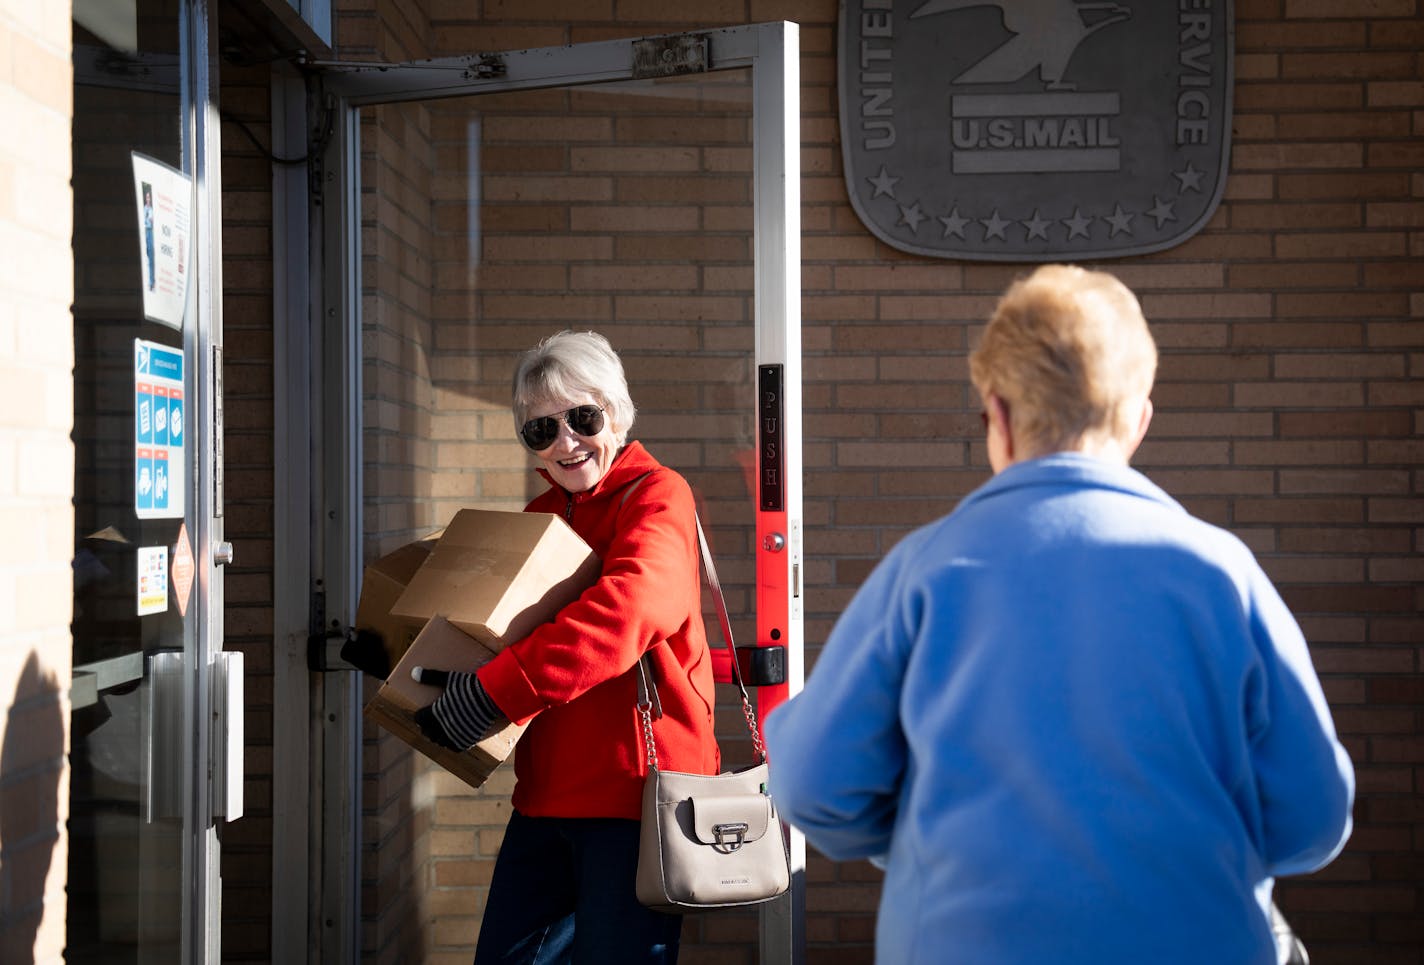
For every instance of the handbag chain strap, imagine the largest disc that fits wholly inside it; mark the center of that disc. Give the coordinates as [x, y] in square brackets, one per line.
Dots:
[648, 702]
[645, 711]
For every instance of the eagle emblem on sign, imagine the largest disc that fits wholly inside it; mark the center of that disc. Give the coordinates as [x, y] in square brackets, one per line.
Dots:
[1035, 130]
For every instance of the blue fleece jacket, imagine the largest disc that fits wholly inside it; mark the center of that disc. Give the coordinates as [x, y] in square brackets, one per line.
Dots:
[1075, 725]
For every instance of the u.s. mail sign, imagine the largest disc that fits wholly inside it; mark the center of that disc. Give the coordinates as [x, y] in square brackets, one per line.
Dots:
[1035, 130]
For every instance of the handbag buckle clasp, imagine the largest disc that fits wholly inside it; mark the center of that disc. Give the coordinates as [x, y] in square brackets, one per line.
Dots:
[731, 836]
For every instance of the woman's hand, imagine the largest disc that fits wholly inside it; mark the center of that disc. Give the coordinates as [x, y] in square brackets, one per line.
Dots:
[461, 715]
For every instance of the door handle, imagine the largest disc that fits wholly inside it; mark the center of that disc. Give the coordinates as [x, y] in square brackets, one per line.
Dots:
[227, 735]
[163, 750]
[162, 745]
[222, 553]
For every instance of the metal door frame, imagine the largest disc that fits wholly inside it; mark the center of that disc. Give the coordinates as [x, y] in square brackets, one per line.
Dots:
[217, 787]
[771, 51]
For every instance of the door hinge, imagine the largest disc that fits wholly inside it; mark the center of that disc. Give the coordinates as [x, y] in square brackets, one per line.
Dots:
[486, 67]
[669, 56]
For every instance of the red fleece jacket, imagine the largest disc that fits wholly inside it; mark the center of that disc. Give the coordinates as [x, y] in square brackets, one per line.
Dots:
[573, 679]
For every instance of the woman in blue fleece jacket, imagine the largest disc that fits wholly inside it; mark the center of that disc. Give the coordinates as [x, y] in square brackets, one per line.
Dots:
[1072, 722]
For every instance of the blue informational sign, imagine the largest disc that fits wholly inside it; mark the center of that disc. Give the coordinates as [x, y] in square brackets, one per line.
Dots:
[158, 431]
[143, 410]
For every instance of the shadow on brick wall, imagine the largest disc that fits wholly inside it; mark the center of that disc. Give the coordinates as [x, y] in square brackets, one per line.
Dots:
[31, 763]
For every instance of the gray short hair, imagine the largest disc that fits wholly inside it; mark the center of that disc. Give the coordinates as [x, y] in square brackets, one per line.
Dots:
[570, 365]
[1069, 350]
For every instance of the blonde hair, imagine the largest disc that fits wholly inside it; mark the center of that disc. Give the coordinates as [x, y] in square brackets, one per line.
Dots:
[1069, 351]
[571, 365]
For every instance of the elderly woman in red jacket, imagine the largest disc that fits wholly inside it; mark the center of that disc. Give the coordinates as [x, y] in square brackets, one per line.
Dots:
[563, 885]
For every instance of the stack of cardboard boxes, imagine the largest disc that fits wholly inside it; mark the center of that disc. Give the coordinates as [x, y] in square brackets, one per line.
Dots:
[453, 600]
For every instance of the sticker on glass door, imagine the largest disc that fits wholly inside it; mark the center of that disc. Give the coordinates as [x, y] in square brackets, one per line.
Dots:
[162, 194]
[159, 430]
[152, 579]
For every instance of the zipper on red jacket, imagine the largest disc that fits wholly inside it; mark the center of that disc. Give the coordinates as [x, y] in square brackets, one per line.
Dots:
[569, 508]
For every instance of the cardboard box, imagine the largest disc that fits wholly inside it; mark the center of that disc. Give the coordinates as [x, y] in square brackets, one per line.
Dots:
[490, 579]
[440, 647]
[497, 575]
[382, 583]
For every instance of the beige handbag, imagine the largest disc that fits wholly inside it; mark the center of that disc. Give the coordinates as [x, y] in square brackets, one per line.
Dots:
[708, 840]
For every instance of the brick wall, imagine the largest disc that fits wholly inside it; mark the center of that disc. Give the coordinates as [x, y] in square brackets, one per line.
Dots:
[406, 798]
[36, 460]
[248, 421]
[1288, 403]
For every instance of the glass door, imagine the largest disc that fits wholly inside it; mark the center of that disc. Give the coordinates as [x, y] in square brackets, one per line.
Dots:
[142, 852]
[645, 189]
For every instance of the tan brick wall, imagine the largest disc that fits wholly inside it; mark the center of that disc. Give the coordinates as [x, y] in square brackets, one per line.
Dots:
[404, 794]
[1289, 405]
[248, 422]
[36, 466]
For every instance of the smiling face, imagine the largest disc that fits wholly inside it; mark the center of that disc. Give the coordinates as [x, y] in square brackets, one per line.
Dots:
[576, 462]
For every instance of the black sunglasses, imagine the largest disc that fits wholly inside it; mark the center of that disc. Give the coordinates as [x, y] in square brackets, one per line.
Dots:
[540, 433]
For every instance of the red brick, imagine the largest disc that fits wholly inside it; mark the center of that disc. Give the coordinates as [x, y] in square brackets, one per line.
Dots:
[1399, 393]
[1396, 274]
[1184, 425]
[1318, 480]
[1260, 96]
[1305, 510]
[1197, 396]
[1395, 154]
[1335, 245]
[1213, 481]
[1345, 424]
[1355, 660]
[1360, 598]
[1296, 215]
[1395, 33]
[1278, 35]
[1395, 93]
[1408, 452]
[1163, 306]
[1354, 65]
[1296, 275]
[1324, 540]
[1395, 215]
[899, 277]
[1342, 304]
[1213, 367]
[1194, 335]
[1348, 9]
[1309, 395]
[1354, 184]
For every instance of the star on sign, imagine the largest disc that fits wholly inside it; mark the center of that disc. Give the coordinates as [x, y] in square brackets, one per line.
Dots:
[994, 226]
[1161, 211]
[1190, 178]
[912, 215]
[1037, 227]
[1078, 224]
[884, 183]
[953, 224]
[1120, 220]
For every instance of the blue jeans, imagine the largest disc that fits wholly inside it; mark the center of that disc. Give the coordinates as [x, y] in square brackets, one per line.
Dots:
[563, 894]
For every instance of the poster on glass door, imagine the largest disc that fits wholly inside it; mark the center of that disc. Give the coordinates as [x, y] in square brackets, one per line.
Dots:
[163, 195]
[159, 431]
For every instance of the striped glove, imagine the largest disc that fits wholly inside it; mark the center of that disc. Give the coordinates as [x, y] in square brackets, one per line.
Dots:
[461, 715]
